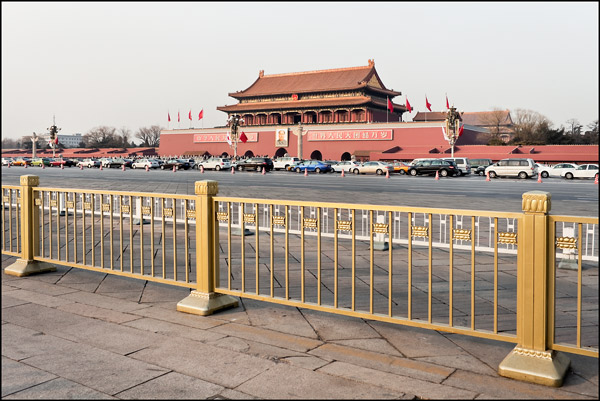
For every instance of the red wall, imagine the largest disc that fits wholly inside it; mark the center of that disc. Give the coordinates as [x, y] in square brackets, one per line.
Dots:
[177, 142]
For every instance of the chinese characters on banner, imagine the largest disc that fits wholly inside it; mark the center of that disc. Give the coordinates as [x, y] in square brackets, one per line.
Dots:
[222, 137]
[351, 135]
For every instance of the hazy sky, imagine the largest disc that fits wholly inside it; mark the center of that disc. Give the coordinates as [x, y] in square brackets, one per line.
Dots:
[128, 64]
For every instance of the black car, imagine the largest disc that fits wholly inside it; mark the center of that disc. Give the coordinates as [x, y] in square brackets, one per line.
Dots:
[255, 163]
[478, 165]
[431, 166]
[177, 163]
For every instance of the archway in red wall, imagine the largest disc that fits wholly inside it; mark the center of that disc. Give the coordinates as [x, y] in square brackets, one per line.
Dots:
[280, 152]
[316, 155]
[346, 156]
[249, 153]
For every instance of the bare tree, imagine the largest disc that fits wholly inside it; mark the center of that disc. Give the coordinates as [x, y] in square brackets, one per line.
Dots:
[124, 136]
[8, 143]
[101, 137]
[150, 136]
[496, 121]
[530, 127]
[573, 127]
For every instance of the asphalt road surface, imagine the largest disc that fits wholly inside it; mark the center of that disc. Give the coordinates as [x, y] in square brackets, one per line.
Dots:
[568, 197]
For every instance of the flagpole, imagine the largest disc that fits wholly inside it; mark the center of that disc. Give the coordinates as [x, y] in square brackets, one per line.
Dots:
[387, 110]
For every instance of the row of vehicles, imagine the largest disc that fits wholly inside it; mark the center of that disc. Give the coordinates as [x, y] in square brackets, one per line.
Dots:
[457, 166]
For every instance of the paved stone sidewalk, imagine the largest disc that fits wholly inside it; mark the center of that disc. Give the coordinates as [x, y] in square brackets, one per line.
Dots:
[86, 335]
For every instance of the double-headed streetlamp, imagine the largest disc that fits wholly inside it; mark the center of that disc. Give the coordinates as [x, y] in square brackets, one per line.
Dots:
[452, 126]
[234, 121]
[53, 131]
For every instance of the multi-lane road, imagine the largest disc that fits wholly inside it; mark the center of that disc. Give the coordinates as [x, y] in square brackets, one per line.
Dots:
[568, 197]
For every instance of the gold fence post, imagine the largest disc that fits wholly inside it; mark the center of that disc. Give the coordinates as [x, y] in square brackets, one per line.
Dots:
[30, 234]
[531, 360]
[204, 300]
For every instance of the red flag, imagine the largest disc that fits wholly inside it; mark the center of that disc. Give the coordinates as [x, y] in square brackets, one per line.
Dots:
[390, 105]
[201, 114]
[169, 116]
[243, 137]
[460, 130]
[56, 140]
[447, 104]
[178, 119]
[427, 104]
[190, 115]
[408, 105]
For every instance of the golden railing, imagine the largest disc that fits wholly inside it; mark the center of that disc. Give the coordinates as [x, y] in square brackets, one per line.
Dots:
[396, 280]
[11, 218]
[130, 234]
[525, 278]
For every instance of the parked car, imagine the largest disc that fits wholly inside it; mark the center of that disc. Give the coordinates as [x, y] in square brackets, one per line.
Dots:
[69, 162]
[7, 161]
[478, 165]
[143, 163]
[284, 162]
[110, 163]
[556, 170]
[517, 167]
[316, 166]
[89, 163]
[191, 161]
[347, 166]
[127, 162]
[215, 163]
[255, 163]
[462, 163]
[431, 166]
[41, 161]
[400, 167]
[22, 161]
[179, 164]
[582, 171]
[373, 167]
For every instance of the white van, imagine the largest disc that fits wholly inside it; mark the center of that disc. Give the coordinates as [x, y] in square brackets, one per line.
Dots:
[463, 164]
[284, 162]
[522, 168]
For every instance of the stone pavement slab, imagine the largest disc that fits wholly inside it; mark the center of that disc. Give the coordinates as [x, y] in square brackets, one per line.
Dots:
[17, 376]
[290, 382]
[59, 389]
[73, 334]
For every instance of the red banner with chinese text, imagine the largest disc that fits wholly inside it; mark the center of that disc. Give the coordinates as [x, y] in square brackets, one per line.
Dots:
[351, 135]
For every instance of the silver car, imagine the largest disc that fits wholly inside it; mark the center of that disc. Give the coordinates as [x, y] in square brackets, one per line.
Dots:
[372, 167]
[517, 167]
[215, 163]
[346, 166]
[143, 163]
[89, 163]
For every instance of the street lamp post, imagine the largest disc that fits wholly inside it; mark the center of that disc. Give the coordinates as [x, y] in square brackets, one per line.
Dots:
[452, 127]
[53, 130]
[34, 139]
[234, 122]
[300, 129]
